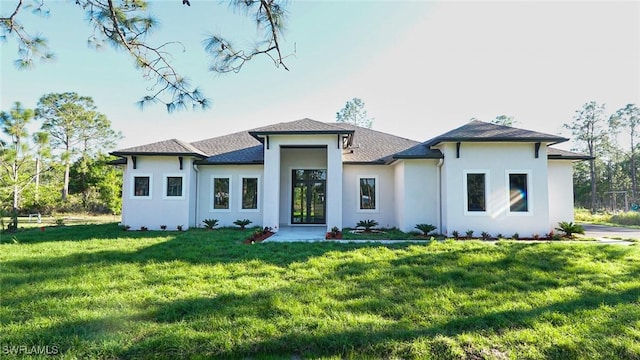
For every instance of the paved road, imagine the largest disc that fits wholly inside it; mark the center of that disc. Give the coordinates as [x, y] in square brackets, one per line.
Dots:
[610, 232]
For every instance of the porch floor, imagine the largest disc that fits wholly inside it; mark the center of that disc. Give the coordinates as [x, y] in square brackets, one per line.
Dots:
[298, 233]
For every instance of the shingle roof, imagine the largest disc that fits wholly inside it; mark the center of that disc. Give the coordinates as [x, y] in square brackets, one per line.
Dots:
[234, 148]
[476, 131]
[167, 147]
[373, 146]
[303, 126]
[559, 154]
[367, 146]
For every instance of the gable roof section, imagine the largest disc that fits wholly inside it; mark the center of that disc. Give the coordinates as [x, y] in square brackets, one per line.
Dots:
[304, 126]
[167, 147]
[479, 131]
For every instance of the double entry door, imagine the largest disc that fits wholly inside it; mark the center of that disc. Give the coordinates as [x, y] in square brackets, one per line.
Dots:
[308, 196]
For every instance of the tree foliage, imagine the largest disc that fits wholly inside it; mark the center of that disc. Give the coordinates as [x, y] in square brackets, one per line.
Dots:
[75, 127]
[128, 25]
[354, 113]
[589, 130]
[505, 120]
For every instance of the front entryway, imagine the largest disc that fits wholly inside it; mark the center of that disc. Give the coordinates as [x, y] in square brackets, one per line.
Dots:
[308, 196]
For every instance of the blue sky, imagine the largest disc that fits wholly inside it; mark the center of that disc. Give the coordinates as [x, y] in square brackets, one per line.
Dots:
[421, 68]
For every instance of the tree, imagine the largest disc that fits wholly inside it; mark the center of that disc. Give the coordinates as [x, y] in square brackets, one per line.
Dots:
[127, 25]
[354, 113]
[98, 183]
[628, 118]
[75, 127]
[17, 154]
[588, 128]
[505, 120]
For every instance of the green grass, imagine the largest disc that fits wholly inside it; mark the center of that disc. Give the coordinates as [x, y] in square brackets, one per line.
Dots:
[95, 291]
[629, 219]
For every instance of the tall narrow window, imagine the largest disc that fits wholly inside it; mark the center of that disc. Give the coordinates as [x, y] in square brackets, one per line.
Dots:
[518, 196]
[141, 186]
[249, 193]
[174, 186]
[221, 193]
[367, 193]
[476, 197]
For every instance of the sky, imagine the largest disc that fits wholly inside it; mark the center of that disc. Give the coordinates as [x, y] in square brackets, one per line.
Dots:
[421, 68]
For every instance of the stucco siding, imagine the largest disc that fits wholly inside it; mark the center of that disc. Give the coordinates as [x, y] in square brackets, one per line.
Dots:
[419, 195]
[496, 161]
[560, 192]
[384, 213]
[156, 209]
[399, 190]
[235, 173]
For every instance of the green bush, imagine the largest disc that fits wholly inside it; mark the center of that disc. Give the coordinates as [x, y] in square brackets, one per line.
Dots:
[367, 224]
[208, 224]
[425, 228]
[626, 218]
[569, 228]
[242, 223]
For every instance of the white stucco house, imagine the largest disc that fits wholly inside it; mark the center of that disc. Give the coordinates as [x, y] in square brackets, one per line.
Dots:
[480, 177]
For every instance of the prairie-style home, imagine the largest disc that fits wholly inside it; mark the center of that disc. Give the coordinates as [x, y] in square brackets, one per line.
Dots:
[480, 176]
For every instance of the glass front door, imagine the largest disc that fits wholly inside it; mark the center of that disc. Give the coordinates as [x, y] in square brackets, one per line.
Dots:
[308, 196]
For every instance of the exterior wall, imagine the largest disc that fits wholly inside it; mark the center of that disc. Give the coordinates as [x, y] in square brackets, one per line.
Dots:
[157, 210]
[399, 190]
[384, 213]
[560, 192]
[417, 198]
[291, 159]
[279, 196]
[496, 160]
[226, 217]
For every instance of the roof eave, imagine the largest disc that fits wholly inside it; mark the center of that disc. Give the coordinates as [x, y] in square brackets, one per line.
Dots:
[134, 153]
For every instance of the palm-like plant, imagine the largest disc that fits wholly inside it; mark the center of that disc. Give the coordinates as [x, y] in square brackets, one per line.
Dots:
[425, 228]
[367, 224]
[242, 223]
[210, 223]
[569, 228]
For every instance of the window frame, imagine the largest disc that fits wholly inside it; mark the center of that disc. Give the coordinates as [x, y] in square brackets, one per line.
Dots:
[487, 192]
[529, 178]
[132, 192]
[213, 193]
[241, 197]
[165, 183]
[376, 181]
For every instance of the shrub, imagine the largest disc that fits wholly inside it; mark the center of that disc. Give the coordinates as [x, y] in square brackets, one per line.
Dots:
[335, 231]
[163, 227]
[569, 228]
[59, 221]
[179, 227]
[425, 228]
[486, 235]
[208, 223]
[144, 228]
[367, 224]
[456, 234]
[469, 233]
[242, 223]
[515, 236]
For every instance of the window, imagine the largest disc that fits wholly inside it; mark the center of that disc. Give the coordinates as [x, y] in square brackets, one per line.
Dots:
[174, 186]
[221, 193]
[518, 193]
[141, 185]
[249, 193]
[476, 192]
[367, 189]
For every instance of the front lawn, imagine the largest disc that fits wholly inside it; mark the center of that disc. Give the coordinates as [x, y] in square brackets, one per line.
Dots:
[95, 291]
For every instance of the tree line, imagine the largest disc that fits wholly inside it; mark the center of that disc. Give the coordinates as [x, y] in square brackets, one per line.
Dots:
[63, 165]
[609, 179]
